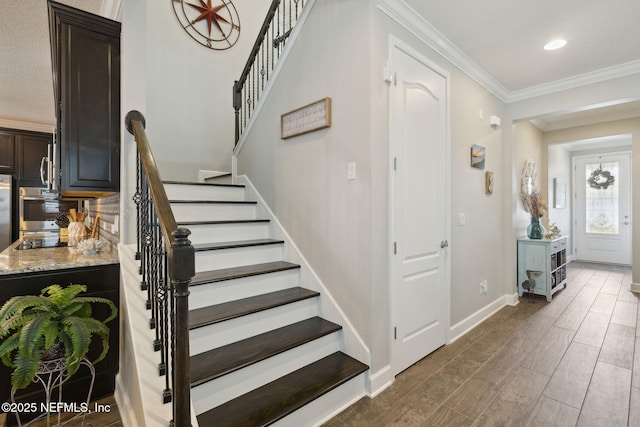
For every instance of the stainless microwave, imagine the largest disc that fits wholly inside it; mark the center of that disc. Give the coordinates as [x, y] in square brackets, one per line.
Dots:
[39, 209]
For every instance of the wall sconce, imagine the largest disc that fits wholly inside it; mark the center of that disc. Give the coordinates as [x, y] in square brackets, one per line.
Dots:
[494, 122]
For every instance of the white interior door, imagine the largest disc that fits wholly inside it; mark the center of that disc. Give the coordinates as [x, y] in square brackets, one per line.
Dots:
[418, 148]
[603, 208]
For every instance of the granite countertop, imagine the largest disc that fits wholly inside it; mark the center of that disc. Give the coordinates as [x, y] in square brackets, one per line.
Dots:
[15, 261]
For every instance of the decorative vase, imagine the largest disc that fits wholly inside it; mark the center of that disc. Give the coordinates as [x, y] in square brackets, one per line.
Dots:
[535, 230]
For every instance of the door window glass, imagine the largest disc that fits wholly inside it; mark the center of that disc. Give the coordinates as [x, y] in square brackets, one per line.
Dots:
[602, 198]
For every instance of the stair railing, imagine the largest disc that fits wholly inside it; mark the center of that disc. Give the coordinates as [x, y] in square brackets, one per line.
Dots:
[167, 264]
[273, 35]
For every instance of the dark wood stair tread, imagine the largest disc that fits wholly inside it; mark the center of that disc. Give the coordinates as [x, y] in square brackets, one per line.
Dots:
[274, 401]
[229, 358]
[207, 184]
[236, 244]
[223, 274]
[233, 309]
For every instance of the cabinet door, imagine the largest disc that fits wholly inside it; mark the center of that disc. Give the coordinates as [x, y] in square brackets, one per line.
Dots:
[7, 152]
[534, 257]
[89, 114]
[32, 149]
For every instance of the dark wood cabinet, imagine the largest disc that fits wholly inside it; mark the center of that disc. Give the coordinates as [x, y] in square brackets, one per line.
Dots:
[7, 152]
[32, 148]
[101, 281]
[86, 71]
[21, 154]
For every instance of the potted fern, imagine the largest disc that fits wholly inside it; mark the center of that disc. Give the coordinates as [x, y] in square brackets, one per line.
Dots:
[55, 324]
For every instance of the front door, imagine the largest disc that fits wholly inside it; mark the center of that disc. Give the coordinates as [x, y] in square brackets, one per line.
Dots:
[419, 209]
[603, 208]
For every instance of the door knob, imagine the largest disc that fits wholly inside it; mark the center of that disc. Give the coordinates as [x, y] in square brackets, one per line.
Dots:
[444, 244]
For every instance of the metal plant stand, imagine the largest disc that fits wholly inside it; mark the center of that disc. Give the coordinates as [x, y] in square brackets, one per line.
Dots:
[52, 374]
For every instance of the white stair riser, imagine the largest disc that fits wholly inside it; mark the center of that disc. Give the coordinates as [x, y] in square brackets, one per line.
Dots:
[213, 233]
[327, 406]
[203, 192]
[236, 257]
[223, 333]
[184, 212]
[230, 290]
[230, 386]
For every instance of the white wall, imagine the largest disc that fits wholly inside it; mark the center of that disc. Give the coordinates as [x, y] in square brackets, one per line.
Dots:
[189, 112]
[304, 179]
[558, 161]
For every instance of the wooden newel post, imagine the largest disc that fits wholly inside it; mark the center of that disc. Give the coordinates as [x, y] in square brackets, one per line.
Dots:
[181, 270]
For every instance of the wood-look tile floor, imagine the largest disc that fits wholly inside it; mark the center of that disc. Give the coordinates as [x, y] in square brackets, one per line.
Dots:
[574, 361]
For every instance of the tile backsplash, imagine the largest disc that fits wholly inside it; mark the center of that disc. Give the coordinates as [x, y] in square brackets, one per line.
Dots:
[108, 208]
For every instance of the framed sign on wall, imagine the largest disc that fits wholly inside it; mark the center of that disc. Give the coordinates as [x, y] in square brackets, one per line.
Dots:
[311, 117]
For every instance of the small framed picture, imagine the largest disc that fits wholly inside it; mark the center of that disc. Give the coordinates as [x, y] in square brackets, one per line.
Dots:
[488, 182]
[477, 156]
[559, 193]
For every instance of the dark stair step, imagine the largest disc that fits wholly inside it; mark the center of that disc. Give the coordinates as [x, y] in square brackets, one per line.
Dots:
[223, 274]
[209, 184]
[220, 361]
[237, 244]
[242, 307]
[274, 401]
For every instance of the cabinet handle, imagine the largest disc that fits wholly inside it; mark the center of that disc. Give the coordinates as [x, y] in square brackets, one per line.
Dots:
[44, 159]
[444, 244]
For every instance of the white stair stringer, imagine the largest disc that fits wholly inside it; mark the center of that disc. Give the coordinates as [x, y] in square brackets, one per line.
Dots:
[217, 335]
[329, 308]
[216, 392]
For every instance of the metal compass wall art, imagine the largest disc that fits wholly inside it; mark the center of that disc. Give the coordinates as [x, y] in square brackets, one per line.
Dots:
[212, 23]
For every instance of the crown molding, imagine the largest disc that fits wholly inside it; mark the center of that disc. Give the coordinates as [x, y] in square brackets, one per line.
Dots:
[409, 19]
[413, 22]
[36, 127]
[592, 77]
[111, 9]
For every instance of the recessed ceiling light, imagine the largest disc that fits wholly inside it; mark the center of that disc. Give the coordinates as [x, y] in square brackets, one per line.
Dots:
[555, 44]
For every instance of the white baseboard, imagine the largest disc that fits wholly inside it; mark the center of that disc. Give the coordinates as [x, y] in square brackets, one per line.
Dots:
[464, 326]
[635, 287]
[379, 381]
[124, 404]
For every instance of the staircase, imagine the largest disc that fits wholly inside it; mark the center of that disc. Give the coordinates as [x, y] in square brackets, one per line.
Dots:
[260, 354]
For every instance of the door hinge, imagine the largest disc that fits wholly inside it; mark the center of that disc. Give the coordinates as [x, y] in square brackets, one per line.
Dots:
[395, 248]
[395, 333]
[395, 163]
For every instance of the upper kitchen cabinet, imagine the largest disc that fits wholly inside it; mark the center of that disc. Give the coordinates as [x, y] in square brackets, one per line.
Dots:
[85, 52]
[32, 149]
[7, 152]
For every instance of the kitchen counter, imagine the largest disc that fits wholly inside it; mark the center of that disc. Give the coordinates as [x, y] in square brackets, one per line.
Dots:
[15, 261]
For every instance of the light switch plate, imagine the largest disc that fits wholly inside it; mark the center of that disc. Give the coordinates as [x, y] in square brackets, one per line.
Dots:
[351, 170]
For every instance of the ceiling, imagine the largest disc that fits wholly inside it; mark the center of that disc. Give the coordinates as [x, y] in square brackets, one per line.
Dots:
[499, 39]
[24, 45]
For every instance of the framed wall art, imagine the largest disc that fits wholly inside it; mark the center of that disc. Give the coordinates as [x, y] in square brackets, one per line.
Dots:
[311, 117]
[477, 156]
[559, 193]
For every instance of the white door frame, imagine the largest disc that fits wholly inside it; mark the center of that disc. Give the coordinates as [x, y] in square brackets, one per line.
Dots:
[396, 43]
[574, 218]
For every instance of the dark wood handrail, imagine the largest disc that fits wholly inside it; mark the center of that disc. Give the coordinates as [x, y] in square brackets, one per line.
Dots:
[269, 45]
[180, 263]
[261, 35]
